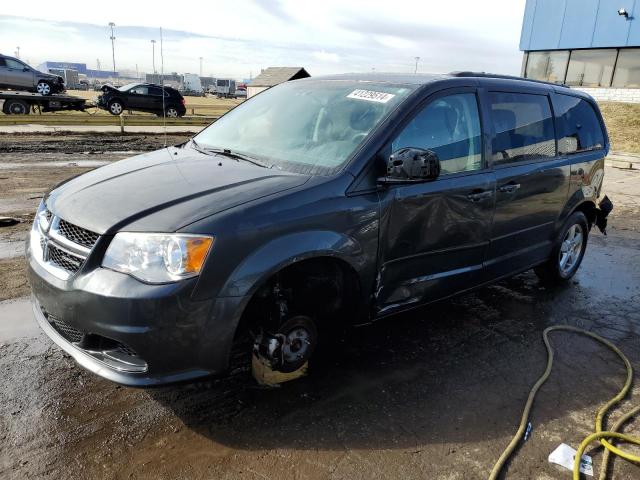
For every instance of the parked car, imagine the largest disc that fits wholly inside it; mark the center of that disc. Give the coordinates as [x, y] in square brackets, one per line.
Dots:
[143, 97]
[387, 192]
[17, 75]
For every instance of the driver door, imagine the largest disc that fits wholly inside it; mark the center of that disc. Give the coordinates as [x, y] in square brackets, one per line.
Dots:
[434, 234]
[138, 98]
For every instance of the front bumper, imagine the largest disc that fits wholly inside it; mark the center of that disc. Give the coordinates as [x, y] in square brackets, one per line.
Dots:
[172, 337]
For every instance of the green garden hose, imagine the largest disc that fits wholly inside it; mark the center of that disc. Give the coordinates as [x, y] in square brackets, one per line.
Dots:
[599, 434]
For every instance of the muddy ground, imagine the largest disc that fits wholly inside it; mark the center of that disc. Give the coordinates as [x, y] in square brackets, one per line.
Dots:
[434, 394]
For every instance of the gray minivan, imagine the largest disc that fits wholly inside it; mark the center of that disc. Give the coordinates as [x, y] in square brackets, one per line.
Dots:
[319, 202]
[17, 75]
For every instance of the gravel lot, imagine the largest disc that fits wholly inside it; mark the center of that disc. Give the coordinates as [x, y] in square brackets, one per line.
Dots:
[435, 394]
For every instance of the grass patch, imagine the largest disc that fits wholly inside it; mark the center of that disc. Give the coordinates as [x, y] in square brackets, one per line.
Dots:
[623, 124]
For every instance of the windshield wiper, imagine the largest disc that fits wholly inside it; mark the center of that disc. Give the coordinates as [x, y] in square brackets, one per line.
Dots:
[197, 147]
[238, 156]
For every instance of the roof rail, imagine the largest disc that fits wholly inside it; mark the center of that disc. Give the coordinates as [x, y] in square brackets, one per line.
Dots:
[505, 77]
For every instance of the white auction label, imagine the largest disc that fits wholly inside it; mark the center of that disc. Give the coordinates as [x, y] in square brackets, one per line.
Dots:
[371, 96]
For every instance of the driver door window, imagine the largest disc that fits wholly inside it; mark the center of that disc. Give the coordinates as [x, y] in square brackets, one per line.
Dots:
[449, 126]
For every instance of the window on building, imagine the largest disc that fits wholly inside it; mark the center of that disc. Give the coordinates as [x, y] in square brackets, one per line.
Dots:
[548, 66]
[579, 129]
[523, 127]
[628, 69]
[591, 68]
[450, 126]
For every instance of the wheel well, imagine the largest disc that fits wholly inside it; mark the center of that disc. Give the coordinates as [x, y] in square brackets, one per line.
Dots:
[589, 210]
[324, 288]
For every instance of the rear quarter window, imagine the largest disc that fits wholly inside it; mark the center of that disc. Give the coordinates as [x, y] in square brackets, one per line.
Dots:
[523, 128]
[579, 129]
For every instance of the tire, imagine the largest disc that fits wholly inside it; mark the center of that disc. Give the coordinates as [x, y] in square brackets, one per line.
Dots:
[115, 107]
[172, 112]
[568, 252]
[44, 88]
[16, 107]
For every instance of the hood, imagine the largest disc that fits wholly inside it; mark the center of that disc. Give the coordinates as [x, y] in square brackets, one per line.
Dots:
[108, 88]
[164, 191]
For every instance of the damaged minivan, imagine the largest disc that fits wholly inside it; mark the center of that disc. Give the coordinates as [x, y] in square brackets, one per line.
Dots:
[319, 202]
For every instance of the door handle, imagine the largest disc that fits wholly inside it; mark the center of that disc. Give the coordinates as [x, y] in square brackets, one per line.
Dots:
[509, 188]
[478, 195]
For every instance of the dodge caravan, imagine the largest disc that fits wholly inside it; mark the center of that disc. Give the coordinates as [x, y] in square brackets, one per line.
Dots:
[342, 199]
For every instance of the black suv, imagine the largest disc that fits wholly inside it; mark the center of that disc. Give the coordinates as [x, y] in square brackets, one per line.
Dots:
[342, 199]
[17, 75]
[144, 97]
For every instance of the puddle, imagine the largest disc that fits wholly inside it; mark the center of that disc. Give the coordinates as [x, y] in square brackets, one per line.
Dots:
[611, 269]
[11, 249]
[74, 163]
[16, 320]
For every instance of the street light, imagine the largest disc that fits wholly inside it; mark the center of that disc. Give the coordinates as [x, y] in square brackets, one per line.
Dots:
[417, 60]
[113, 48]
[17, 52]
[153, 46]
[200, 66]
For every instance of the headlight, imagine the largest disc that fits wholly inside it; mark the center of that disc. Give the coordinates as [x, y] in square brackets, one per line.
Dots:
[157, 257]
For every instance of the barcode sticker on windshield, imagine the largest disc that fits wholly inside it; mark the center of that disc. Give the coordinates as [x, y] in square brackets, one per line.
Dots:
[371, 96]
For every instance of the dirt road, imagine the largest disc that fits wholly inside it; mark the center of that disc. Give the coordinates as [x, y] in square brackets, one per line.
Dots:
[435, 394]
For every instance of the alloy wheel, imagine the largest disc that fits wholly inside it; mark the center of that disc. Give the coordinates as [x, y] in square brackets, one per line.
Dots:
[571, 249]
[43, 88]
[115, 108]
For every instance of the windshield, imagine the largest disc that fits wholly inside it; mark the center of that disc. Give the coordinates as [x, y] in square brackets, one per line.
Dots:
[309, 127]
[128, 86]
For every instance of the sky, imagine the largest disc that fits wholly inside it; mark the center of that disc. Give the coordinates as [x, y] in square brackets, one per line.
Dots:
[236, 39]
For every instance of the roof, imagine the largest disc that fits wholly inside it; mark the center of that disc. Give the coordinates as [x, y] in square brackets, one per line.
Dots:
[398, 78]
[427, 78]
[275, 75]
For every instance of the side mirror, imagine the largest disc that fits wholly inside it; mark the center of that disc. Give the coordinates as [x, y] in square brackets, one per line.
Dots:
[412, 164]
[25, 69]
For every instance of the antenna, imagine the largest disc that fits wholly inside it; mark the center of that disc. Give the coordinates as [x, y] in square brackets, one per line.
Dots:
[164, 111]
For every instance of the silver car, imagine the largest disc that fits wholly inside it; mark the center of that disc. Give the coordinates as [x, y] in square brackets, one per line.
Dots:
[17, 75]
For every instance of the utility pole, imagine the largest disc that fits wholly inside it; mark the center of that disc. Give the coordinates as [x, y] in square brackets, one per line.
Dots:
[200, 66]
[153, 46]
[417, 60]
[113, 47]
[17, 52]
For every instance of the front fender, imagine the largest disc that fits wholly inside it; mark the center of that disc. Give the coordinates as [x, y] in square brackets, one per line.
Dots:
[281, 252]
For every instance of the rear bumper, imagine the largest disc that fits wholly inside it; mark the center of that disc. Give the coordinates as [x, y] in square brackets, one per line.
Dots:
[173, 337]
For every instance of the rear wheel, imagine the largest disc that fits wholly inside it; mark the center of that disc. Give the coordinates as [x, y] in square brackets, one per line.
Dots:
[16, 107]
[568, 252]
[43, 87]
[172, 112]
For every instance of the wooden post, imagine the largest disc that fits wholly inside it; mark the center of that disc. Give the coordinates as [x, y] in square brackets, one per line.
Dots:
[121, 123]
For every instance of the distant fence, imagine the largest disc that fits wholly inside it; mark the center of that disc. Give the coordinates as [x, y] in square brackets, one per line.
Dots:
[95, 120]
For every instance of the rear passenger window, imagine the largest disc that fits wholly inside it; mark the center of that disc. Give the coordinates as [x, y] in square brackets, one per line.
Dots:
[579, 129]
[523, 127]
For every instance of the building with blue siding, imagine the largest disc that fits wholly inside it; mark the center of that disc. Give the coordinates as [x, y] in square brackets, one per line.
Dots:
[589, 44]
[78, 67]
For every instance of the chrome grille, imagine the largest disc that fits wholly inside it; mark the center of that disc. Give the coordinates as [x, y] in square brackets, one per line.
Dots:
[60, 246]
[76, 234]
[63, 259]
[67, 331]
